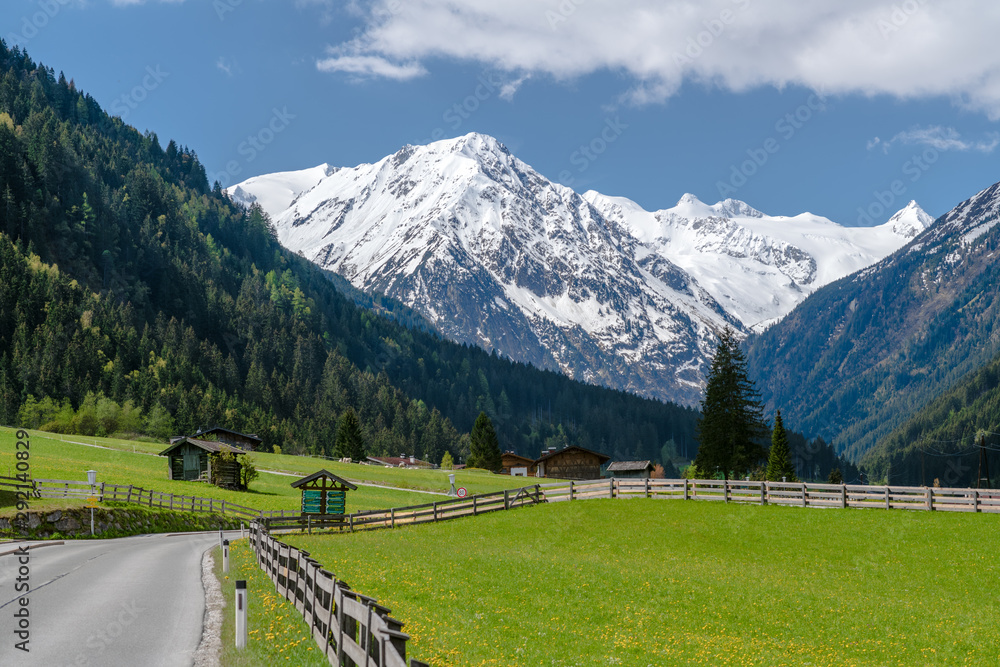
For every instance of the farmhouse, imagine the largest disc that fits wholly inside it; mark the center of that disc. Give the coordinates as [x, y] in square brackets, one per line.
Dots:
[627, 469]
[519, 466]
[571, 463]
[191, 459]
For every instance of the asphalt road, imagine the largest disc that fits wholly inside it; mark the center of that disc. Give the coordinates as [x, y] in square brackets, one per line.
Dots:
[131, 601]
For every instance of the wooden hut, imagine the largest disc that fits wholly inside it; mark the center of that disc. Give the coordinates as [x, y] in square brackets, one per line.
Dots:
[631, 469]
[191, 459]
[514, 464]
[324, 493]
[571, 463]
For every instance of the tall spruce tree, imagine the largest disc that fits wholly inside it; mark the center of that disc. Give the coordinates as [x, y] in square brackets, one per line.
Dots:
[732, 427]
[484, 447]
[350, 442]
[779, 461]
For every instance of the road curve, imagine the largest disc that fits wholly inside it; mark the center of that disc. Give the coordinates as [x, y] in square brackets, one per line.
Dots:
[129, 601]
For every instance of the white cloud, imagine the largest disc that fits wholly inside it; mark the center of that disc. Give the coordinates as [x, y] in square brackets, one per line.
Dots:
[939, 138]
[229, 66]
[907, 49]
[370, 66]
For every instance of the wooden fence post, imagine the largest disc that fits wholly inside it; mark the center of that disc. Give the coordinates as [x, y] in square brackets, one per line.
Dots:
[804, 503]
[128, 499]
[475, 508]
[929, 499]
[571, 489]
[506, 499]
[686, 489]
[647, 487]
[975, 500]
[611, 488]
[763, 485]
[843, 496]
[887, 497]
[392, 517]
[725, 489]
[436, 512]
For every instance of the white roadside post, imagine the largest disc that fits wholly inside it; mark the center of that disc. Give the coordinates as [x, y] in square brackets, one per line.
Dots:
[225, 557]
[241, 613]
[220, 538]
[92, 480]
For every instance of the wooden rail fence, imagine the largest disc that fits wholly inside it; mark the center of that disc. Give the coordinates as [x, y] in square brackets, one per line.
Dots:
[349, 628]
[415, 514]
[127, 493]
[799, 494]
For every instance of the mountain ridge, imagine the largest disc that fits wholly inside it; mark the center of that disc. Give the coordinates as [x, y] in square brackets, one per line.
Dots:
[498, 256]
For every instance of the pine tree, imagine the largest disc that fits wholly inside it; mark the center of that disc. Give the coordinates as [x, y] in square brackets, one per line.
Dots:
[350, 442]
[484, 447]
[732, 425]
[779, 462]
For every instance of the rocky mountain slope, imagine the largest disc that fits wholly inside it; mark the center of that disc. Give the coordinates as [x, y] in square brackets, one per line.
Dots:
[496, 255]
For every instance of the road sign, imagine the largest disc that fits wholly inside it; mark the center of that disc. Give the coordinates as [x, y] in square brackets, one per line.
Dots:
[462, 492]
[93, 502]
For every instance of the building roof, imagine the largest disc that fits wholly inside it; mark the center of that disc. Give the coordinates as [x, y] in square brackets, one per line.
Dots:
[602, 457]
[396, 461]
[208, 445]
[518, 457]
[323, 473]
[249, 436]
[630, 466]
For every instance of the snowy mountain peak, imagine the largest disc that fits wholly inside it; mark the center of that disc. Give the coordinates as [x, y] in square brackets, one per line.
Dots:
[496, 255]
[910, 221]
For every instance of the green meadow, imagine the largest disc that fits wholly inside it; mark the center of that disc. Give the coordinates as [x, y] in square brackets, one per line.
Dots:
[657, 582]
[68, 457]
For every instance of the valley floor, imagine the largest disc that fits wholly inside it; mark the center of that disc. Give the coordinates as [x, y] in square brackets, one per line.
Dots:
[642, 582]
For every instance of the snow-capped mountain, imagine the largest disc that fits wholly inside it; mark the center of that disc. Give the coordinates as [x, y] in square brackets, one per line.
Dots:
[496, 255]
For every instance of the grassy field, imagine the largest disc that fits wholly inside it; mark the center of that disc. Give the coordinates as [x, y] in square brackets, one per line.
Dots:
[54, 456]
[654, 582]
[276, 632]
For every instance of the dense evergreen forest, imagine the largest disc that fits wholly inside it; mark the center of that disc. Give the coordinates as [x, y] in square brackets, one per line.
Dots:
[136, 297]
[942, 440]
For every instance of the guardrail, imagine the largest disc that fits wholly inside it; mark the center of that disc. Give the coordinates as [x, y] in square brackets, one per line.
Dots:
[349, 628]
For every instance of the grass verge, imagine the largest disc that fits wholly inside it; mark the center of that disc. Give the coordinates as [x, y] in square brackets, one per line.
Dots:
[276, 632]
[639, 582]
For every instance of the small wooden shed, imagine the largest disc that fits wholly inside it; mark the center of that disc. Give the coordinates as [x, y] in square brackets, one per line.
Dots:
[572, 463]
[189, 459]
[324, 493]
[631, 469]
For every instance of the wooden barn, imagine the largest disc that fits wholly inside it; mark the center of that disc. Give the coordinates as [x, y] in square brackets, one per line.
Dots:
[190, 459]
[631, 469]
[519, 466]
[571, 463]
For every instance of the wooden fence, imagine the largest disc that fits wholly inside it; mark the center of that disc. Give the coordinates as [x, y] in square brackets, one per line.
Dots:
[349, 628]
[126, 493]
[799, 494]
[415, 514]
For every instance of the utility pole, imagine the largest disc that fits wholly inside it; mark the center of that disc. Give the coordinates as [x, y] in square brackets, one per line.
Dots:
[984, 466]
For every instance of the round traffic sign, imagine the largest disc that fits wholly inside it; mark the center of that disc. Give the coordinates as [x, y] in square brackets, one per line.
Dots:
[462, 492]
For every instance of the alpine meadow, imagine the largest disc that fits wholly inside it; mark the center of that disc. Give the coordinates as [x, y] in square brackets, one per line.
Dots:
[650, 333]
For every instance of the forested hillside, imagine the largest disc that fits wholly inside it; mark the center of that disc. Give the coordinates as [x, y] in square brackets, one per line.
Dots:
[132, 294]
[942, 440]
[862, 355]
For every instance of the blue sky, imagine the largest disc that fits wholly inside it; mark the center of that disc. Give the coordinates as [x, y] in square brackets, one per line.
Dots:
[848, 110]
